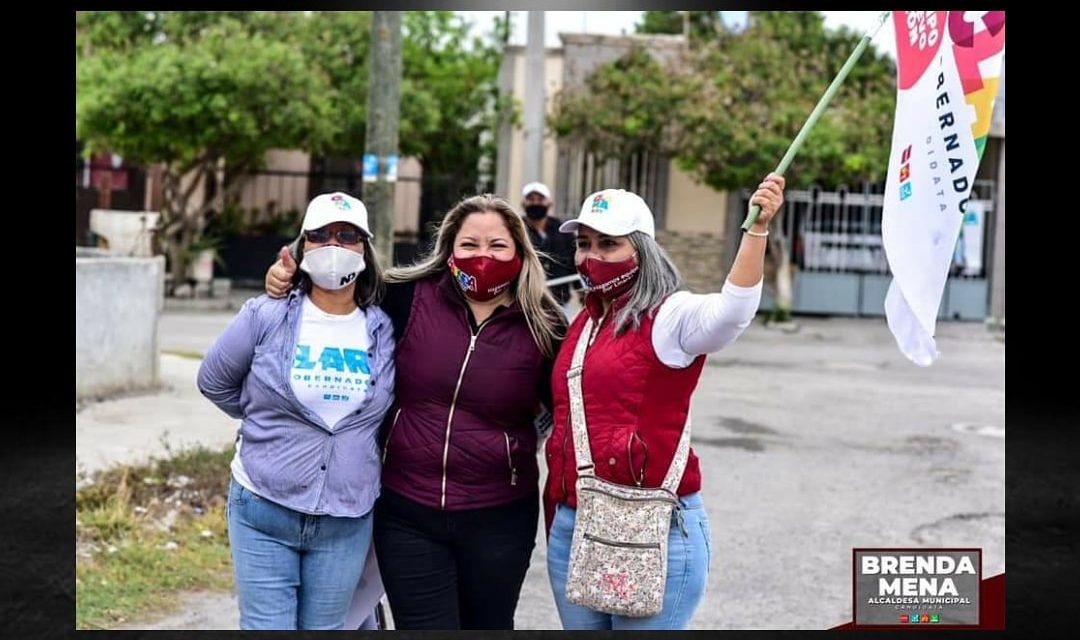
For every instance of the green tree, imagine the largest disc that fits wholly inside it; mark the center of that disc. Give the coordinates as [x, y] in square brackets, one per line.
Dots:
[625, 107]
[766, 82]
[703, 24]
[449, 88]
[220, 98]
[448, 82]
[453, 77]
[728, 109]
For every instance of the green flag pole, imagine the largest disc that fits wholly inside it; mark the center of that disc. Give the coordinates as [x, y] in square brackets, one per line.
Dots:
[752, 216]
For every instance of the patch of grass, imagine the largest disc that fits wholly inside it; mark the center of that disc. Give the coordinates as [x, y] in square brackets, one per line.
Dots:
[144, 533]
[195, 475]
[109, 514]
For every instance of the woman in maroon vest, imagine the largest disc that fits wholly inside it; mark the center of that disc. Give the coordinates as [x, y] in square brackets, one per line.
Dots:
[646, 352]
[476, 332]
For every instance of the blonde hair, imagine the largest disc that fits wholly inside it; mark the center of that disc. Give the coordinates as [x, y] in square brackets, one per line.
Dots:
[542, 313]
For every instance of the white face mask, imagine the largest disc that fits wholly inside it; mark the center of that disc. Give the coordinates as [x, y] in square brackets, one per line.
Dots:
[332, 267]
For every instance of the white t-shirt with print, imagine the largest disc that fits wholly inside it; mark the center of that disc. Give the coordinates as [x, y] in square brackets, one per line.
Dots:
[329, 369]
[330, 372]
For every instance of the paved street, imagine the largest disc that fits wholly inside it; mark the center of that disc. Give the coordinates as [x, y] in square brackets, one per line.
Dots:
[811, 443]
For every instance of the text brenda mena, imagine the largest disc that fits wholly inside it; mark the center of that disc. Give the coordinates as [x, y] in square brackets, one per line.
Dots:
[904, 578]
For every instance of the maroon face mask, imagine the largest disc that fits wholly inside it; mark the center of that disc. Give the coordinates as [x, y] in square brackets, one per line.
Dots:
[482, 278]
[609, 279]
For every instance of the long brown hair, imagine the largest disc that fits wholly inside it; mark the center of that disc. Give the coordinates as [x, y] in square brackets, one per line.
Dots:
[542, 312]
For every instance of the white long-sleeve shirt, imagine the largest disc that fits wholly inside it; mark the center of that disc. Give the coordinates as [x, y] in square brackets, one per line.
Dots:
[690, 324]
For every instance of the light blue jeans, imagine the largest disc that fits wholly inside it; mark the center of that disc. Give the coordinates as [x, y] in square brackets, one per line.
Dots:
[688, 571]
[293, 570]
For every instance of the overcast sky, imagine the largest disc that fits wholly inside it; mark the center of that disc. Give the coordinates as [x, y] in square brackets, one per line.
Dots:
[618, 22]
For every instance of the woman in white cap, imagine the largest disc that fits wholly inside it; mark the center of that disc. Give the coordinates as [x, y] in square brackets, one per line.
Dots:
[621, 387]
[310, 377]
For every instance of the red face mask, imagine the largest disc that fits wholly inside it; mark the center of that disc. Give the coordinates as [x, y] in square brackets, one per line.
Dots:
[482, 278]
[609, 279]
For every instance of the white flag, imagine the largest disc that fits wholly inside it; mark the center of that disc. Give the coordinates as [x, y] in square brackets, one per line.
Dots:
[948, 69]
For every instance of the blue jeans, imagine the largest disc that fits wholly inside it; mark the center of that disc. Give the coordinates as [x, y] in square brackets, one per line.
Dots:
[688, 570]
[293, 570]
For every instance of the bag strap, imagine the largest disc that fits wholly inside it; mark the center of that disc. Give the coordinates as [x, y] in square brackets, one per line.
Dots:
[582, 451]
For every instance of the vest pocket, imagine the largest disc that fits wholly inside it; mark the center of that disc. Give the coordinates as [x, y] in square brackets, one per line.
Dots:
[637, 455]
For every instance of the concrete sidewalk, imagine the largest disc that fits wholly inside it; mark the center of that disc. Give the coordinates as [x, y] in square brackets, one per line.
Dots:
[811, 443]
[132, 429]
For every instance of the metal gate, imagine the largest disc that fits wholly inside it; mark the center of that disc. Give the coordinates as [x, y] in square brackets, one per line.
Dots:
[840, 268]
[580, 172]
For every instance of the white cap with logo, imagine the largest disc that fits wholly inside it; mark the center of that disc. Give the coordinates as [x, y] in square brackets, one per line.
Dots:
[614, 212]
[335, 207]
[536, 187]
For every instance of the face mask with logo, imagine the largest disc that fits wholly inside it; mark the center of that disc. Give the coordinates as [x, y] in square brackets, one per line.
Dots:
[482, 278]
[536, 211]
[332, 267]
[609, 279]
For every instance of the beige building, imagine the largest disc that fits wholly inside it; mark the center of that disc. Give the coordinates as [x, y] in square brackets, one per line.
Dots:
[699, 226]
[691, 218]
[284, 185]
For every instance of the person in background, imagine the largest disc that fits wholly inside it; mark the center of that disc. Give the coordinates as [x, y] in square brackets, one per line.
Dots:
[557, 248]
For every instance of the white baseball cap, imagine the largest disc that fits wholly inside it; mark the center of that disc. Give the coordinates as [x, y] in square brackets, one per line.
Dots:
[614, 212]
[536, 187]
[335, 207]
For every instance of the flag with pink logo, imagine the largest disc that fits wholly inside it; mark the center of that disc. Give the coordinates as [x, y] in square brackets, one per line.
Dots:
[948, 69]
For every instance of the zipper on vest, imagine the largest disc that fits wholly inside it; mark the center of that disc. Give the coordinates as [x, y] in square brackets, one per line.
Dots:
[453, 404]
[390, 434]
[562, 467]
[510, 461]
[596, 332]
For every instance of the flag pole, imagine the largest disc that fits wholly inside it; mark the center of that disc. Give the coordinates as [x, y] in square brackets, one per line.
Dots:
[752, 216]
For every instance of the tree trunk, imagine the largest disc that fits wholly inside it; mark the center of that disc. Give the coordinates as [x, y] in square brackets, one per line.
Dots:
[780, 255]
[183, 222]
[178, 225]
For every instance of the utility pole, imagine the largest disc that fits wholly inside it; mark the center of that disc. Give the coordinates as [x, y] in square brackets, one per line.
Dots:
[535, 81]
[384, 115]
